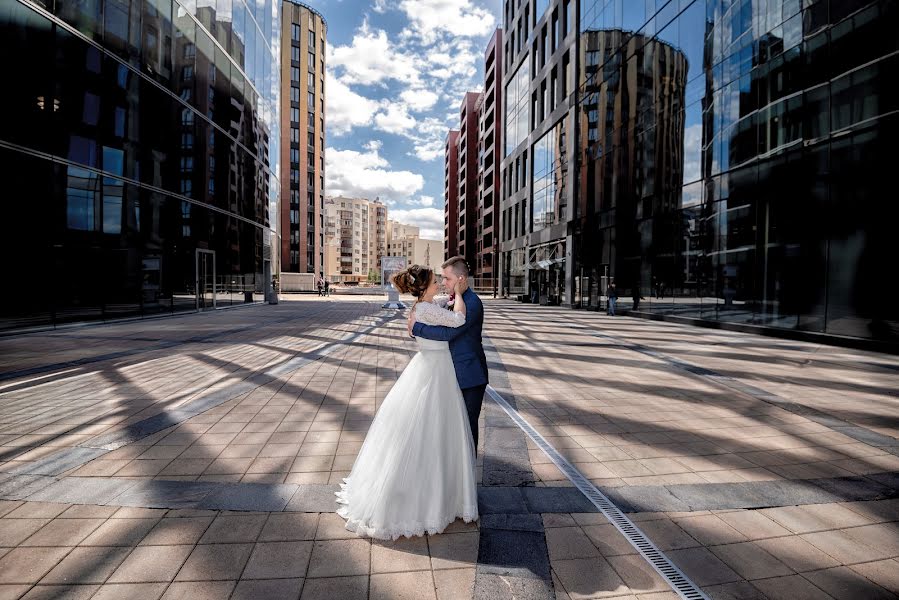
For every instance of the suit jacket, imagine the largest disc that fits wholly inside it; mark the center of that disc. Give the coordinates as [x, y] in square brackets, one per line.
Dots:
[464, 342]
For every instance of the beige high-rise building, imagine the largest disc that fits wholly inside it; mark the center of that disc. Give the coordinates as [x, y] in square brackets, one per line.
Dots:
[303, 34]
[404, 240]
[357, 227]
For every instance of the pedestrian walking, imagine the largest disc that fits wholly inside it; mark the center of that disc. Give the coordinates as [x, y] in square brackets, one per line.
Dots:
[613, 298]
[635, 294]
[327, 285]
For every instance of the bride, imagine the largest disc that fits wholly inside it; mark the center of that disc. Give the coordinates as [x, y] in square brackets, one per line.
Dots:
[415, 472]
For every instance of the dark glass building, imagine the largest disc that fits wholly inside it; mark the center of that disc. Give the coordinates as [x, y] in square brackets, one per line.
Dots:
[734, 161]
[139, 153]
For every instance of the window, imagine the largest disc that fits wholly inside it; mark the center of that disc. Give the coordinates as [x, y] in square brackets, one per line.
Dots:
[311, 62]
[294, 115]
[569, 16]
[295, 32]
[516, 106]
[310, 139]
[294, 135]
[310, 119]
[295, 74]
[311, 41]
[310, 99]
[295, 53]
[310, 82]
[555, 32]
[294, 94]
[295, 155]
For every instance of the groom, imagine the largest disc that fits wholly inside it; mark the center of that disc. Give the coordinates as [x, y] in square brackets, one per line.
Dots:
[464, 342]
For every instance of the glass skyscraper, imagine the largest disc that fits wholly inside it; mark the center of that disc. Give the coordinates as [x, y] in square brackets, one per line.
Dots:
[140, 156]
[734, 161]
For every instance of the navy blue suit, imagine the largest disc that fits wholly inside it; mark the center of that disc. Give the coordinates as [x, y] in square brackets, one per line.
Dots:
[468, 355]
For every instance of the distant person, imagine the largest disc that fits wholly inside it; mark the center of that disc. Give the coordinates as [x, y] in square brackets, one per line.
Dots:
[635, 292]
[613, 298]
[327, 286]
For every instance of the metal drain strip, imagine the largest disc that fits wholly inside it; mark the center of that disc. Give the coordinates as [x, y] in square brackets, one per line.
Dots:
[679, 582]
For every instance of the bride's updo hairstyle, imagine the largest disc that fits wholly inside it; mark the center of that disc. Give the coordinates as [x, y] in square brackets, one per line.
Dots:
[413, 280]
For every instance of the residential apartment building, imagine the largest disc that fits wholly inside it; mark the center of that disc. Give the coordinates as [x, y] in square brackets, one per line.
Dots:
[467, 177]
[404, 240]
[451, 194]
[358, 228]
[490, 118]
[303, 40]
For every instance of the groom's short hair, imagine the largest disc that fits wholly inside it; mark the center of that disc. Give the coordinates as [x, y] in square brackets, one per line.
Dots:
[458, 264]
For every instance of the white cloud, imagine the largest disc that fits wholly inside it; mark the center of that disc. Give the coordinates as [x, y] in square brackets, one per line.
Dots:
[380, 6]
[460, 18]
[419, 99]
[367, 175]
[346, 108]
[428, 220]
[394, 120]
[371, 59]
[426, 200]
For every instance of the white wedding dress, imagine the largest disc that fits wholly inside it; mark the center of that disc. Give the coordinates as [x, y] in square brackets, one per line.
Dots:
[415, 472]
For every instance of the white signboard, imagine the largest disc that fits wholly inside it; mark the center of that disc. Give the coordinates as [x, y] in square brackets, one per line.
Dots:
[390, 266]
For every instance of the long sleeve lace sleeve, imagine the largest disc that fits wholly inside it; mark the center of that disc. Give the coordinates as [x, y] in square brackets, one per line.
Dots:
[431, 314]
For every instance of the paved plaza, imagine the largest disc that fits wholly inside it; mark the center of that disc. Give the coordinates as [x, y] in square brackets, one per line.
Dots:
[196, 457]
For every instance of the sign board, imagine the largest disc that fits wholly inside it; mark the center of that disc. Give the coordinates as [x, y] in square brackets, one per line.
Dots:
[390, 266]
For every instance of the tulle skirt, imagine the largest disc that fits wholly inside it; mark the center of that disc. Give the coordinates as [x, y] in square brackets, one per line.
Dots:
[415, 471]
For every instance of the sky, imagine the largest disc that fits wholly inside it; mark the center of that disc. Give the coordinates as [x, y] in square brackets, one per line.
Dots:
[396, 74]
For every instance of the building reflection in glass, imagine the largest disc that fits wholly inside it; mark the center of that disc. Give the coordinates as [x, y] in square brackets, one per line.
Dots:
[143, 156]
[755, 186]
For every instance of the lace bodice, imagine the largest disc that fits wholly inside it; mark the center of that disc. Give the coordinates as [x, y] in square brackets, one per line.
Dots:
[434, 313]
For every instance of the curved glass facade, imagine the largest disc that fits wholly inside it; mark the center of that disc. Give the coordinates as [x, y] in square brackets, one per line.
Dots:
[140, 156]
[735, 161]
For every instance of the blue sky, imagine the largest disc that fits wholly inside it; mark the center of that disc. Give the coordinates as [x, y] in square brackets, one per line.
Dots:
[397, 71]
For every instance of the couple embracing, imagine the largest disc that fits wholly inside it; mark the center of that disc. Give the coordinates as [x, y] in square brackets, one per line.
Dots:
[415, 471]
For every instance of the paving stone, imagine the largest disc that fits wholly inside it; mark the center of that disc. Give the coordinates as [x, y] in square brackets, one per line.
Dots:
[83, 490]
[130, 591]
[165, 494]
[453, 551]
[338, 558]
[702, 567]
[753, 524]
[63, 532]
[335, 587]
[516, 553]
[885, 573]
[750, 561]
[87, 565]
[215, 562]
[148, 564]
[844, 547]
[234, 528]
[404, 554]
[569, 542]
[14, 531]
[29, 565]
[199, 590]
[501, 500]
[286, 589]
[710, 530]
[13, 592]
[589, 578]
[417, 585]
[177, 531]
[513, 522]
[740, 590]
[842, 583]
[61, 592]
[454, 584]
[638, 574]
[250, 496]
[666, 535]
[313, 498]
[608, 540]
[282, 527]
[798, 554]
[332, 527]
[37, 510]
[87, 511]
[556, 499]
[120, 532]
[273, 560]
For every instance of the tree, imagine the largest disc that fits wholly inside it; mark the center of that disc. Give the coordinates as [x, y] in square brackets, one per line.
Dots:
[373, 276]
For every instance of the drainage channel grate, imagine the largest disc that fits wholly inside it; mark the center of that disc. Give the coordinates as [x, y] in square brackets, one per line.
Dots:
[679, 582]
